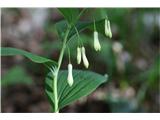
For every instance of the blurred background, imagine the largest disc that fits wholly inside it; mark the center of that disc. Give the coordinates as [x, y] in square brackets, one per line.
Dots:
[131, 59]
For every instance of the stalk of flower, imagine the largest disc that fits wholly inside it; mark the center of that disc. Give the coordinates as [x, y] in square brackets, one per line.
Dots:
[78, 55]
[85, 61]
[97, 45]
[70, 76]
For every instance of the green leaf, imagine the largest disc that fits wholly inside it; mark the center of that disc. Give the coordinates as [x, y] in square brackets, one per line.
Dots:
[81, 26]
[8, 51]
[85, 82]
[10, 78]
[70, 14]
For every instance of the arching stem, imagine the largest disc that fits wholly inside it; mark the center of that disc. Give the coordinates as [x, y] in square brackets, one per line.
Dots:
[55, 92]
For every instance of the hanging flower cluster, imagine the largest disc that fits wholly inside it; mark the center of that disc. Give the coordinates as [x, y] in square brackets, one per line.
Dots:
[108, 31]
[81, 53]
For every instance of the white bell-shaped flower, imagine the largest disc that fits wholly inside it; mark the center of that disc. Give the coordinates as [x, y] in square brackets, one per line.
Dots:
[85, 61]
[70, 76]
[78, 55]
[108, 31]
[97, 45]
[106, 27]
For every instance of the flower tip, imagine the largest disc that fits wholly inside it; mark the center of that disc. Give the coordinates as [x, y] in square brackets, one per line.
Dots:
[70, 83]
[86, 63]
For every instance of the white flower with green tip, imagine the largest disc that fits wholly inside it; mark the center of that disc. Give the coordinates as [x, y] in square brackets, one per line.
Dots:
[78, 55]
[85, 61]
[70, 76]
[97, 45]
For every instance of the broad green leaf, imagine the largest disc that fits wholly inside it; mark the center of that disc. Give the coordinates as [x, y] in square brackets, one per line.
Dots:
[71, 14]
[61, 27]
[85, 82]
[8, 51]
[81, 26]
[10, 78]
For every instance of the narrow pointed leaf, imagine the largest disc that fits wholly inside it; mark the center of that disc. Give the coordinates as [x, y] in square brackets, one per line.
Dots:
[8, 51]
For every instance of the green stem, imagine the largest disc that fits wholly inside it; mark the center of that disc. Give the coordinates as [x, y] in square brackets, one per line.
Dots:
[94, 25]
[57, 71]
[79, 39]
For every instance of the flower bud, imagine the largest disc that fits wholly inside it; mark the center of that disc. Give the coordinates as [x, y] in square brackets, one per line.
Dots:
[85, 61]
[78, 55]
[70, 76]
[97, 45]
